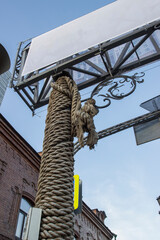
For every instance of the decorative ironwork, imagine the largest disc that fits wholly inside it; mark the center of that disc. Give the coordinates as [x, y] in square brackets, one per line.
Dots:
[118, 87]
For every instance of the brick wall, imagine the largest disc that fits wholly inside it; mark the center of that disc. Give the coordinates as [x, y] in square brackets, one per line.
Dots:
[17, 178]
[19, 169]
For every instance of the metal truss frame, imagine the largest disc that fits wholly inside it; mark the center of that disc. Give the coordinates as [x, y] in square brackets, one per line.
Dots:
[34, 87]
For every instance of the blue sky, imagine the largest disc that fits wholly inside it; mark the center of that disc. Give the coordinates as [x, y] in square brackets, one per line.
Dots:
[118, 176]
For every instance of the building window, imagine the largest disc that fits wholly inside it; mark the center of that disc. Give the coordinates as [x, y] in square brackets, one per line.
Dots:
[22, 217]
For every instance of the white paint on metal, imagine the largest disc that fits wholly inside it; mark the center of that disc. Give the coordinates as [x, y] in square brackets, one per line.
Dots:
[99, 26]
[32, 226]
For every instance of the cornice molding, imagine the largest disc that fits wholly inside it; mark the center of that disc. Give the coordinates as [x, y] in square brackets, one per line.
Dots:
[93, 218]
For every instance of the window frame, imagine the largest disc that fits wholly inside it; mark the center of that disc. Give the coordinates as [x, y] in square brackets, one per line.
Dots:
[21, 211]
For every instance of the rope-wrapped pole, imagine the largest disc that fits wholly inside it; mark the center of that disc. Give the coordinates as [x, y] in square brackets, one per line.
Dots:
[55, 186]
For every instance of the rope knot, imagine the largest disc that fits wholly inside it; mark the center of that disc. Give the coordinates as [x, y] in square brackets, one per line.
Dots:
[84, 123]
[81, 117]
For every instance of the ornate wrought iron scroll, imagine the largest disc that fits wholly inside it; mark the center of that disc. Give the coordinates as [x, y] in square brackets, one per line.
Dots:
[117, 87]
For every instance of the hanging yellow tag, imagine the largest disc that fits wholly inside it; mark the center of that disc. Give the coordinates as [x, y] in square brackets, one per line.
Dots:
[76, 191]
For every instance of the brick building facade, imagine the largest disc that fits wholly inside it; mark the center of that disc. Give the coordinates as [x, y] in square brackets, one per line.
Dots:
[19, 169]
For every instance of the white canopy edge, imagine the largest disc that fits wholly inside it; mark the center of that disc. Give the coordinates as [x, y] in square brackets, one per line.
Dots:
[104, 24]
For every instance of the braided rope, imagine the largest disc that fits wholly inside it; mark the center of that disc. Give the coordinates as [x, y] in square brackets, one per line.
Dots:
[65, 119]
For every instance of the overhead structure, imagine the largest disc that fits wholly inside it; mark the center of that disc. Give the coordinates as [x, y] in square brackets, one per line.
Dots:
[111, 40]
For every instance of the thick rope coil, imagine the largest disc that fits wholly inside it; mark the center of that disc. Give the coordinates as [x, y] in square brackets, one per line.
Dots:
[65, 119]
[81, 117]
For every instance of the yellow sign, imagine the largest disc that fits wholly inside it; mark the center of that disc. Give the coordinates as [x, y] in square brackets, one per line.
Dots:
[76, 191]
